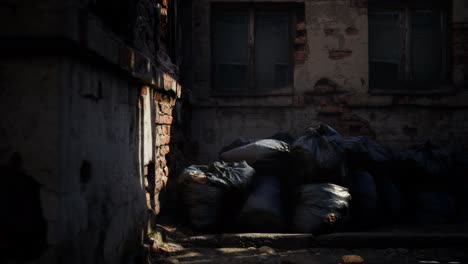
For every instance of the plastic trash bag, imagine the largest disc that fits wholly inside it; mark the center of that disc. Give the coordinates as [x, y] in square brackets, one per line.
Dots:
[318, 156]
[263, 211]
[283, 136]
[320, 207]
[235, 144]
[364, 153]
[363, 206]
[390, 200]
[434, 208]
[426, 167]
[265, 149]
[211, 194]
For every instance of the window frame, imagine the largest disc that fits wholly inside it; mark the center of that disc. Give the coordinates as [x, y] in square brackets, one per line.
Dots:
[252, 8]
[404, 8]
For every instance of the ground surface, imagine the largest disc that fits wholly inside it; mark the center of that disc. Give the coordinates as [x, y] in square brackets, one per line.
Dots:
[314, 255]
[447, 244]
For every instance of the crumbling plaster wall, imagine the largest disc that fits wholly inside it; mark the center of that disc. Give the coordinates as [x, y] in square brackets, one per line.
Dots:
[85, 112]
[330, 86]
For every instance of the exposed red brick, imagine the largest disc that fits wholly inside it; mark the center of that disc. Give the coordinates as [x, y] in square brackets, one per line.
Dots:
[146, 182]
[172, 101]
[158, 97]
[148, 200]
[160, 174]
[339, 54]
[165, 108]
[300, 57]
[352, 31]
[162, 140]
[157, 208]
[166, 130]
[331, 31]
[160, 184]
[164, 150]
[301, 40]
[325, 86]
[301, 26]
[163, 119]
[161, 161]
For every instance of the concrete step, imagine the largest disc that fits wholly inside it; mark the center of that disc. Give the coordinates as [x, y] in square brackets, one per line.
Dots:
[335, 240]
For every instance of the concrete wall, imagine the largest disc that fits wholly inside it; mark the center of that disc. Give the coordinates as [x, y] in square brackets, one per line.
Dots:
[85, 127]
[330, 86]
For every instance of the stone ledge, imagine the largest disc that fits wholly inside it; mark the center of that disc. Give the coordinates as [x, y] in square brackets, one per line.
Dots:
[286, 241]
[335, 240]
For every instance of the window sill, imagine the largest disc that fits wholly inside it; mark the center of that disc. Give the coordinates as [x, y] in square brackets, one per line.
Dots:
[441, 90]
[278, 92]
[249, 94]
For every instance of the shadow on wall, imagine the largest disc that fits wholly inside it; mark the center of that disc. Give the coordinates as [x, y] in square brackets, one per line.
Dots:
[23, 228]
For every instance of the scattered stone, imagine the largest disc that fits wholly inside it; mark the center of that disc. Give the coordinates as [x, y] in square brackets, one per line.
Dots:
[267, 250]
[352, 259]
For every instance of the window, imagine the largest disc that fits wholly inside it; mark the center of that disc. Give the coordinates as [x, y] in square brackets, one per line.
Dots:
[252, 47]
[408, 45]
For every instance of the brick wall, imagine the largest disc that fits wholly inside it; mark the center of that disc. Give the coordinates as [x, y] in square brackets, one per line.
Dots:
[164, 132]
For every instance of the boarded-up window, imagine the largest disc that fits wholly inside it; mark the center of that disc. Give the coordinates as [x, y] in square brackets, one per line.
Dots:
[251, 46]
[407, 44]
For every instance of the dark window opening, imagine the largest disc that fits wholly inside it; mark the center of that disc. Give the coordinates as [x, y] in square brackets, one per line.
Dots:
[252, 47]
[408, 45]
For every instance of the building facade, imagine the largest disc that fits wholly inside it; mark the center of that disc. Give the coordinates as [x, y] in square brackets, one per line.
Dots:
[394, 70]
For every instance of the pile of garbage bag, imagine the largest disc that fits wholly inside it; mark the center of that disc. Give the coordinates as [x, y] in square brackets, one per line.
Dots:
[321, 182]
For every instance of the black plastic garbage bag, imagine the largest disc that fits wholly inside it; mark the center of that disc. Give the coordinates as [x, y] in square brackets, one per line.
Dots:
[365, 154]
[282, 136]
[211, 194]
[318, 156]
[263, 211]
[460, 160]
[390, 200]
[426, 167]
[265, 149]
[364, 205]
[434, 208]
[236, 143]
[320, 207]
